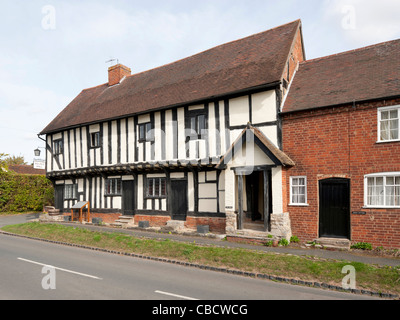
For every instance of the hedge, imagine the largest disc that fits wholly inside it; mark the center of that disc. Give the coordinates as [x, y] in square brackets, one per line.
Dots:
[22, 193]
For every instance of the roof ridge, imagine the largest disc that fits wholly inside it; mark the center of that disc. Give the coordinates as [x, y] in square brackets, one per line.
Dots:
[349, 51]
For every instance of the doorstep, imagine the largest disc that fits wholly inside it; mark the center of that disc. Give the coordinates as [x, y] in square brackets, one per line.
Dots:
[334, 243]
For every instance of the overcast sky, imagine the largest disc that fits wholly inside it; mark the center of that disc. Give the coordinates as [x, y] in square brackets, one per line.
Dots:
[52, 50]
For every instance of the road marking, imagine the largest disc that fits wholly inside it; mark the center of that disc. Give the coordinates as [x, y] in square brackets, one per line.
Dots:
[61, 269]
[174, 295]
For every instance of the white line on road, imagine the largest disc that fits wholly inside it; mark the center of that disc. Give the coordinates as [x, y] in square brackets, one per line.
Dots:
[61, 269]
[175, 295]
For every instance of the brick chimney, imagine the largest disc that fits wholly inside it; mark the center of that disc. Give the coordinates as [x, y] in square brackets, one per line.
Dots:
[117, 73]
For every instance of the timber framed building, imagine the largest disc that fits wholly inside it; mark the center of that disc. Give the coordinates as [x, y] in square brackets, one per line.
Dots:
[247, 138]
[198, 140]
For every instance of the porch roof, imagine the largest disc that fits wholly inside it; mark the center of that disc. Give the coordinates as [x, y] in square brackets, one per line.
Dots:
[273, 152]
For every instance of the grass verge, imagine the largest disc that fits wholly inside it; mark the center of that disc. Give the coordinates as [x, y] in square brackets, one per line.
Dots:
[368, 277]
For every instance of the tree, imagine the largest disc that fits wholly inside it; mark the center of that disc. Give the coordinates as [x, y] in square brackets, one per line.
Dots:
[3, 162]
[14, 160]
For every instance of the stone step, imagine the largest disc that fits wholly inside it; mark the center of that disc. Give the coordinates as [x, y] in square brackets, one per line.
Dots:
[123, 221]
[174, 225]
[334, 243]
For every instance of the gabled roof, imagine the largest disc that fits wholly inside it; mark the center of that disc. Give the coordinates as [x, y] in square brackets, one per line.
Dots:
[237, 66]
[277, 156]
[360, 75]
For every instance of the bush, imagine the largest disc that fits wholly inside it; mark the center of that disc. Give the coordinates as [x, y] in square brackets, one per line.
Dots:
[22, 193]
[362, 246]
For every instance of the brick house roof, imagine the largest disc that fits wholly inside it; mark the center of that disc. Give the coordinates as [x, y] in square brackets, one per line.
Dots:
[26, 169]
[237, 66]
[360, 75]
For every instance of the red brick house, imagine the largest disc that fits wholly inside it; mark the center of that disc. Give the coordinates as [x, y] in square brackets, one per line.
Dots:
[340, 125]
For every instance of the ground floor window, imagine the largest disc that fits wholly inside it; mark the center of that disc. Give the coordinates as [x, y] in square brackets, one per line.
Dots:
[382, 190]
[156, 187]
[113, 187]
[70, 192]
[298, 190]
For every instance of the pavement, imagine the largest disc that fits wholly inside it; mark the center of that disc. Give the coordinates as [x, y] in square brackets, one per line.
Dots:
[218, 240]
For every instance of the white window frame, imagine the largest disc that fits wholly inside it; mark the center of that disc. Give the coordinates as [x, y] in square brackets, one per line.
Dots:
[305, 203]
[384, 109]
[384, 175]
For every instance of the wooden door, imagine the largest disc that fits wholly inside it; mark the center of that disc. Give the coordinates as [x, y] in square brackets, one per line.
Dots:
[334, 207]
[178, 200]
[128, 198]
[59, 197]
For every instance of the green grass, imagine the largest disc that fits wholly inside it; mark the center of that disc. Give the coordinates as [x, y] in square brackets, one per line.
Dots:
[307, 268]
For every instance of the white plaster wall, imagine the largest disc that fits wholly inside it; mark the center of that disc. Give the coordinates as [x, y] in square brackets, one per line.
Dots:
[264, 107]
[239, 111]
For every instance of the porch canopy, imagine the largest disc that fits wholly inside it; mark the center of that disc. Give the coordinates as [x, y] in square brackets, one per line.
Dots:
[254, 152]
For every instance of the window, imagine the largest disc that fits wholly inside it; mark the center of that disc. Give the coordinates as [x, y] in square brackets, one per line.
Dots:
[156, 188]
[113, 187]
[58, 147]
[389, 124]
[145, 132]
[70, 192]
[197, 126]
[382, 190]
[95, 139]
[298, 190]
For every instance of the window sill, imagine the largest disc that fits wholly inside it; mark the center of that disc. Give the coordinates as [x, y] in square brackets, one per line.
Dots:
[299, 204]
[381, 207]
[388, 141]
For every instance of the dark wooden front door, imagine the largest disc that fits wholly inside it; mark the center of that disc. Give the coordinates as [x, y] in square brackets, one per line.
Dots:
[59, 197]
[334, 208]
[178, 199]
[128, 198]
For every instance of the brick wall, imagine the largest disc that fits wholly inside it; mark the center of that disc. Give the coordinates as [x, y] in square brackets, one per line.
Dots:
[217, 225]
[341, 142]
[155, 221]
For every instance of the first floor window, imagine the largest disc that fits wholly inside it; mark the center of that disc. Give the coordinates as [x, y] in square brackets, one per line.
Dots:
[197, 126]
[389, 124]
[298, 190]
[146, 132]
[70, 191]
[113, 187]
[58, 147]
[156, 187]
[383, 190]
[95, 139]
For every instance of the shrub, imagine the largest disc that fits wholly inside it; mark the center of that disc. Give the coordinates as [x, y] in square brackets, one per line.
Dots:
[362, 246]
[283, 242]
[21, 193]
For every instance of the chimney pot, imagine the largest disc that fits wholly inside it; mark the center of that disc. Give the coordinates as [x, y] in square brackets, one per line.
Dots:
[117, 73]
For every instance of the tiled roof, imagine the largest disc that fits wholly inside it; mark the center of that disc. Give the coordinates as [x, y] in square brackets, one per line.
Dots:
[248, 63]
[360, 75]
[257, 137]
[26, 169]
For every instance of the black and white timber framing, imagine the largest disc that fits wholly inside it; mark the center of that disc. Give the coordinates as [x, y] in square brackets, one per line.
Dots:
[86, 158]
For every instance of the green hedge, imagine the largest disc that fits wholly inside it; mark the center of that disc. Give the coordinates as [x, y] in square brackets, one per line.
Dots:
[22, 193]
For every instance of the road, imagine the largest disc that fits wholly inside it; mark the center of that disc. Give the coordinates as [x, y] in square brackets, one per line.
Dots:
[92, 275]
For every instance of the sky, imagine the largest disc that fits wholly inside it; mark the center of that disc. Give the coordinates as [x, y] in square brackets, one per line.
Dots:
[53, 49]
